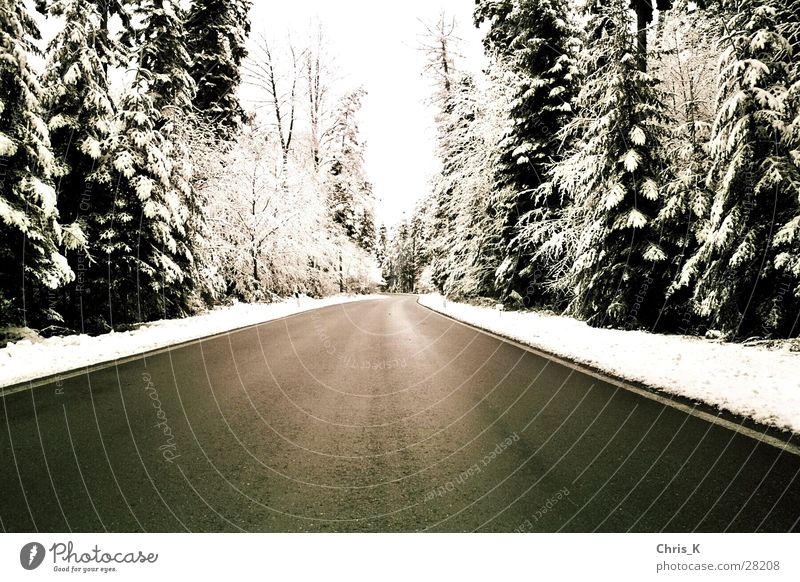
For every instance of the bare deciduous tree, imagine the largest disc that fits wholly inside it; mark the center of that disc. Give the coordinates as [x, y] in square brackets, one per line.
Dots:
[439, 43]
[263, 70]
[318, 89]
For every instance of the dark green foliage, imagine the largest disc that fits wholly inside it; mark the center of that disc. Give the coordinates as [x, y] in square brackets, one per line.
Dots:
[217, 31]
[31, 265]
[81, 116]
[536, 41]
[615, 174]
[143, 241]
[745, 276]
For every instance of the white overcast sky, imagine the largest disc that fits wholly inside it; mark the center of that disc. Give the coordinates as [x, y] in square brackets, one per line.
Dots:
[375, 46]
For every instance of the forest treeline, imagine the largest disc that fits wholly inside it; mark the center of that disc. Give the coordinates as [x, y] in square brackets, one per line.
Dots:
[133, 185]
[631, 165]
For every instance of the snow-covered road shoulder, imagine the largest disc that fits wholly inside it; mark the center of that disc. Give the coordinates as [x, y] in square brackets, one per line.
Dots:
[756, 382]
[29, 359]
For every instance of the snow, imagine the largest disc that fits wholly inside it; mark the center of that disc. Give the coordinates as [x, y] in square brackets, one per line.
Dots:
[752, 381]
[35, 357]
[7, 146]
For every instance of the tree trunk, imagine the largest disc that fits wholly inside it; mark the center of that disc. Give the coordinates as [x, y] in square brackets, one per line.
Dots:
[341, 274]
[644, 16]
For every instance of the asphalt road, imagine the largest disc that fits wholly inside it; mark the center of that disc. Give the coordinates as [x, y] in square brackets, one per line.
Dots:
[373, 416]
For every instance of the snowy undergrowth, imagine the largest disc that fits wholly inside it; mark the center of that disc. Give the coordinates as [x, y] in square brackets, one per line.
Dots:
[36, 357]
[752, 381]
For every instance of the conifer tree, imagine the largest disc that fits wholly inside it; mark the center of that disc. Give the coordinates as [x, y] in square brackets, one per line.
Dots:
[615, 174]
[145, 239]
[535, 40]
[81, 117]
[381, 245]
[687, 67]
[30, 233]
[217, 31]
[457, 249]
[745, 273]
[465, 235]
[349, 191]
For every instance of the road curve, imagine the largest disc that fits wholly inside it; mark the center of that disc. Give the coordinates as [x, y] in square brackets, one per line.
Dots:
[373, 416]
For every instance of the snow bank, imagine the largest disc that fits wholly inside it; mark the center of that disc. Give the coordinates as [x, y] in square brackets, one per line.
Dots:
[29, 359]
[757, 382]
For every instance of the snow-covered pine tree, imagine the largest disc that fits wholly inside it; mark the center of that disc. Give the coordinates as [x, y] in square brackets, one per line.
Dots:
[145, 239]
[80, 115]
[399, 267]
[789, 24]
[536, 41]
[787, 239]
[349, 191]
[440, 45]
[745, 274]
[465, 236]
[686, 65]
[217, 32]
[423, 229]
[456, 252]
[367, 236]
[614, 173]
[30, 234]
[381, 245]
